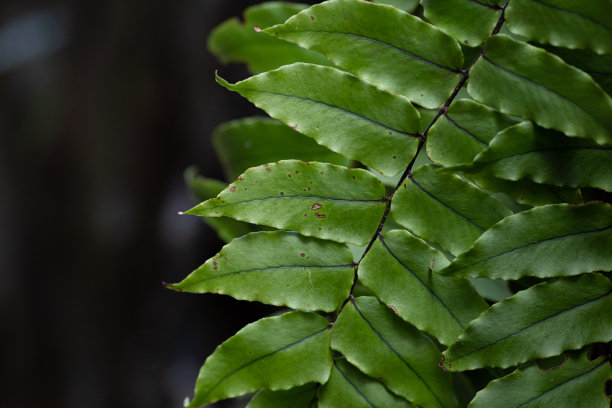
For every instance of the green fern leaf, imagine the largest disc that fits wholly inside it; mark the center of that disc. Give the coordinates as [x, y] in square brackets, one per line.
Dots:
[547, 241]
[275, 353]
[526, 81]
[279, 268]
[545, 156]
[315, 199]
[563, 23]
[450, 16]
[387, 47]
[577, 383]
[539, 322]
[339, 111]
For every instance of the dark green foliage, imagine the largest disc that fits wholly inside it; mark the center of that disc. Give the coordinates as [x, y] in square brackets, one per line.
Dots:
[387, 257]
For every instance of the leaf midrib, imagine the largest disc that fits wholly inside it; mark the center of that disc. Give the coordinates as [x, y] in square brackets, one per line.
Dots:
[546, 150]
[270, 268]
[284, 197]
[386, 44]
[464, 130]
[415, 135]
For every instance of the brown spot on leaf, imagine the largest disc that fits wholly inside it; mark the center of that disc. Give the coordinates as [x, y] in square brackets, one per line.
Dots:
[312, 18]
[316, 206]
[257, 29]
[394, 309]
[320, 215]
[394, 157]
[268, 169]
[281, 193]
[319, 229]
[240, 178]
[233, 189]
[302, 255]
[431, 264]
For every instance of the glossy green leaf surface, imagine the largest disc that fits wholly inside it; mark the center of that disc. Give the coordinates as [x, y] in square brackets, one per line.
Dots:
[547, 241]
[522, 80]
[279, 268]
[204, 188]
[275, 353]
[430, 198]
[315, 199]
[563, 23]
[400, 270]
[250, 142]
[234, 41]
[464, 131]
[539, 322]
[380, 344]
[546, 156]
[450, 15]
[577, 383]
[304, 396]
[339, 111]
[349, 387]
[383, 45]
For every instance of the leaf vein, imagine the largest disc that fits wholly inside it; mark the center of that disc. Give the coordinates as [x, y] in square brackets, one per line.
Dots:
[337, 108]
[354, 386]
[575, 13]
[386, 44]
[464, 130]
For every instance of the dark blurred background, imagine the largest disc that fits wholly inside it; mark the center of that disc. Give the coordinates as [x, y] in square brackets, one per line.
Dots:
[102, 107]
